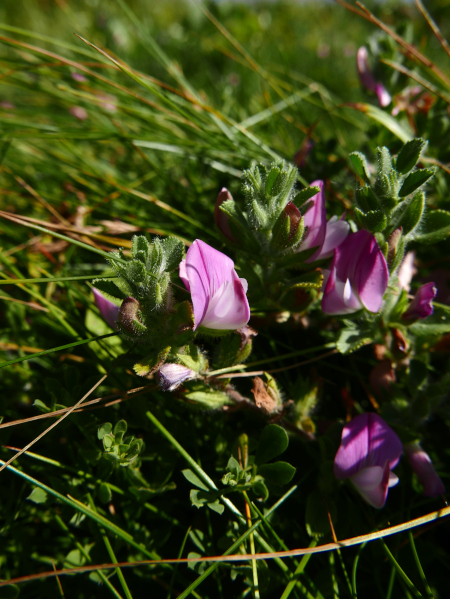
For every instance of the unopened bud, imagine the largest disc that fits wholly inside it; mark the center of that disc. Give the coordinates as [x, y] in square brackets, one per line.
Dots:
[221, 219]
[393, 242]
[295, 217]
[172, 375]
[128, 316]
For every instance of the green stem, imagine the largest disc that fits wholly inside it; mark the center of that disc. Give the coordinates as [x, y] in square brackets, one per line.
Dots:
[428, 590]
[234, 547]
[298, 571]
[400, 571]
[54, 349]
[111, 553]
[78, 505]
[81, 549]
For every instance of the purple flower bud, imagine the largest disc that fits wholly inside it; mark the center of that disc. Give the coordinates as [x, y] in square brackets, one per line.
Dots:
[368, 80]
[422, 465]
[78, 112]
[78, 77]
[368, 452]
[295, 216]
[357, 278]
[421, 306]
[218, 294]
[108, 309]
[128, 316]
[172, 375]
[221, 219]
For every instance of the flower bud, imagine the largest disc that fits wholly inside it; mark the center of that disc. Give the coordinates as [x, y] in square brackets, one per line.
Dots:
[421, 306]
[172, 375]
[221, 219]
[423, 466]
[128, 317]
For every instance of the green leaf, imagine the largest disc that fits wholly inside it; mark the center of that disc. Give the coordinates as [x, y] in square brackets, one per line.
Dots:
[278, 473]
[436, 324]
[37, 495]
[140, 248]
[412, 212]
[109, 288]
[374, 220]
[40, 405]
[304, 195]
[385, 119]
[119, 430]
[273, 442]
[409, 155]
[105, 429]
[435, 227]
[384, 162]
[104, 493]
[415, 180]
[350, 340]
[260, 491]
[173, 249]
[366, 199]
[150, 363]
[194, 479]
[137, 273]
[360, 163]
[211, 399]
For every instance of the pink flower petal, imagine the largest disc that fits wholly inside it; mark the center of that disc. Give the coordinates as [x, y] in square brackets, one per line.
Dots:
[376, 496]
[337, 231]
[366, 441]
[108, 309]
[218, 295]
[315, 219]
[172, 375]
[359, 263]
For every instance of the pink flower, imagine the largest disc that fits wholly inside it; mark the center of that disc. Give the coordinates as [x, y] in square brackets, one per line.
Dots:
[218, 294]
[368, 80]
[421, 306]
[108, 309]
[423, 466]
[368, 452]
[78, 77]
[326, 235]
[172, 375]
[357, 277]
[78, 112]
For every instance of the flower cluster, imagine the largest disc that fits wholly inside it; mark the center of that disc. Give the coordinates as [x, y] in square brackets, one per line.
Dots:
[278, 231]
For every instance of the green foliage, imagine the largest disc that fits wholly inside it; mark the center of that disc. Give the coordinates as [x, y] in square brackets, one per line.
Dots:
[164, 127]
[272, 443]
[117, 449]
